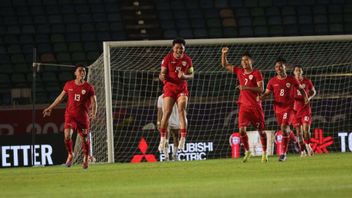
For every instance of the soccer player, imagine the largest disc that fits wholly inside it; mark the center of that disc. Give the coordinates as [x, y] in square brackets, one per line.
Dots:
[250, 107]
[303, 112]
[173, 128]
[176, 69]
[81, 106]
[282, 88]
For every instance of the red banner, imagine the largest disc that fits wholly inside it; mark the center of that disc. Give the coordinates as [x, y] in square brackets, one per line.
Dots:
[19, 122]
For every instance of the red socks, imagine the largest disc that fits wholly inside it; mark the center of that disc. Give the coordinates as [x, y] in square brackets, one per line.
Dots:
[183, 132]
[162, 132]
[68, 145]
[244, 140]
[285, 141]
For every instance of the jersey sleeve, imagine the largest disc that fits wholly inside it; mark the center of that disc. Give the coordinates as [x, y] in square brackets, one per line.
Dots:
[165, 62]
[270, 85]
[92, 90]
[235, 69]
[258, 75]
[66, 87]
[310, 85]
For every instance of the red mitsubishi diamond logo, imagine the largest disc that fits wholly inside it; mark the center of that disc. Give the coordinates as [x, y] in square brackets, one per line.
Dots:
[320, 143]
[143, 146]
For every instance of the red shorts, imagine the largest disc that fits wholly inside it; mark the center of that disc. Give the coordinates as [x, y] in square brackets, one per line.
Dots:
[302, 119]
[174, 91]
[285, 117]
[75, 124]
[251, 115]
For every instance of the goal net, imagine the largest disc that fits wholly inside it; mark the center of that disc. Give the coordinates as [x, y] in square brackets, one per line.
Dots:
[126, 81]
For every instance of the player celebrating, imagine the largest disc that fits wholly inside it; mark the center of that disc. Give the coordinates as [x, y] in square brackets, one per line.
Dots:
[250, 107]
[303, 112]
[172, 128]
[176, 68]
[81, 105]
[282, 87]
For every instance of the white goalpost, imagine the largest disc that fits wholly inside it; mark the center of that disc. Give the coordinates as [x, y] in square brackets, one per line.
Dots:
[125, 78]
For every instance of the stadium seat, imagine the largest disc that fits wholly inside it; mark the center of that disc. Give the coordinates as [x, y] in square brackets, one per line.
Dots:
[306, 29]
[58, 28]
[289, 20]
[200, 33]
[55, 19]
[319, 9]
[186, 33]
[244, 21]
[198, 23]
[87, 27]
[242, 12]
[170, 34]
[88, 36]
[288, 11]
[60, 47]
[213, 23]
[251, 3]
[25, 20]
[18, 58]
[291, 30]
[335, 18]
[43, 29]
[336, 28]
[235, 3]
[215, 32]
[207, 4]
[321, 29]
[78, 57]
[57, 38]
[14, 49]
[245, 32]
[261, 31]
[221, 4]
[265, 3]
[63, 58]
[44, 47]
[165, 15]
[70, 18]
[272, 11]
[182, 23]
[304, 10]
[305, 19]
[229, 22]
[211, 13]
[180, 14]
[259, 21]
[47, 57]
[177, 5]
[226, 13]
[28, 29]
[257, 11]
[192, 4]
[276, 30]
[320, 19]
[14, 30]
[230, 32]
[11, 39]
[99, 17]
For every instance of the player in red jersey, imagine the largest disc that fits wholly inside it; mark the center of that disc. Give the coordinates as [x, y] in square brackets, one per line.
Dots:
[303, 112]
[282, 88]
[81, 106]
[176, 68]
[251, 85]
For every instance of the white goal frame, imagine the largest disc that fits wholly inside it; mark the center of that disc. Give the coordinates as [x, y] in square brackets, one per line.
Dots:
[107, 45]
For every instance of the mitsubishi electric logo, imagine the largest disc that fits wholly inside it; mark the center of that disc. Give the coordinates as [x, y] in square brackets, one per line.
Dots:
[143, 146]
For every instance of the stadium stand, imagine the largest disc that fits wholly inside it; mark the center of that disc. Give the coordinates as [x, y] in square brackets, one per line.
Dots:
[72, 31]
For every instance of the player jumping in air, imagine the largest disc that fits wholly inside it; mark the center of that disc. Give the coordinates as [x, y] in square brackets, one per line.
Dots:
[303, 111]
[81, 106]
[176, 68]
[282, 88]
[251, 85]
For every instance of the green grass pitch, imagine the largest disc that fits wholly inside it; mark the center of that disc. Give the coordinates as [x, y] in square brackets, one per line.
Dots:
[326, 175]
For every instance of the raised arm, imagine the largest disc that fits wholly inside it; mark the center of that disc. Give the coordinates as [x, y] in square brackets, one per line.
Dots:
[57, 101]
[224, 61]
[94, 107]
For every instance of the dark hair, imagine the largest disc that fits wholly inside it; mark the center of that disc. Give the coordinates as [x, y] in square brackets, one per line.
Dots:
[280, 60]
[80, 65]
[299, 66]
[179, 40]
[246, 53]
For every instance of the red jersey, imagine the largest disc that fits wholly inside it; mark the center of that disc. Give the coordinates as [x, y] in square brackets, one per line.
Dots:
[173, 65]
[283, 92]
[299, 105]
[78, 101]
[247, 97]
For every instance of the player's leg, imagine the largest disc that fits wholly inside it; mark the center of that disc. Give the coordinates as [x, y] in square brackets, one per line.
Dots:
[299, 132]
[259, 123]
[165, 150]
[68, 145]
[168, 103]
[181, 106]
[244, 115]
[306, 130]
[84, 135]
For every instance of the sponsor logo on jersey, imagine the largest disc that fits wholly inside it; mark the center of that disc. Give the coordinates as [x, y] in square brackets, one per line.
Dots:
[70, 89]
[303, 86]
[288, 85]
[83, 91]
[184, 63]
